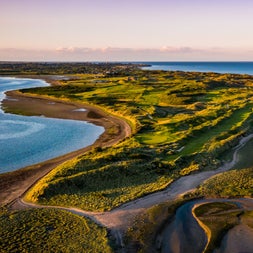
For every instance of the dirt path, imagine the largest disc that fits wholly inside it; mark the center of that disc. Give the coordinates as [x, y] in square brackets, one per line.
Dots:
[120, 218]
[14, 185]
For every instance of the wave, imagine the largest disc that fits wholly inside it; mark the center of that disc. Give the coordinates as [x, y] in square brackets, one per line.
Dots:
[30, 128]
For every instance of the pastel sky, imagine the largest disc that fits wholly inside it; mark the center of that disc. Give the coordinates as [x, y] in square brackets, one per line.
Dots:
[131, 30]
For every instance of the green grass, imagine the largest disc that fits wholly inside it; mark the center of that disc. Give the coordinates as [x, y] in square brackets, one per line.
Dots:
[122, 175]
[235, 183]
[208, 139]
[50, 230]
[182, 123]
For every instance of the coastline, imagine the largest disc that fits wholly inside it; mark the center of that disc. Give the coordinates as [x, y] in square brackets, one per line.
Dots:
[119, 218]
[15, 184]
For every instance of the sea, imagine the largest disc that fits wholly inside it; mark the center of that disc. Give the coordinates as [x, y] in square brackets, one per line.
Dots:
[216, 67]
[29, 140]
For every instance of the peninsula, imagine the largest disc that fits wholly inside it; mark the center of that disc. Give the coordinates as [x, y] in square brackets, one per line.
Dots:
[166, 132]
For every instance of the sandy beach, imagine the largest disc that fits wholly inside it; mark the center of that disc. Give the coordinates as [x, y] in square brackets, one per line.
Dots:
[14, 184]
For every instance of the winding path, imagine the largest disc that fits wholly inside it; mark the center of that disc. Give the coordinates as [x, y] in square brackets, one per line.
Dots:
[120, 218]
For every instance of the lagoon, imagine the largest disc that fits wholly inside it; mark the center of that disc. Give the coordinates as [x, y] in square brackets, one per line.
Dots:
[27, 140]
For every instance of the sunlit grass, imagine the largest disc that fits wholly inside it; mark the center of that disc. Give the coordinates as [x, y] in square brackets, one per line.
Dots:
[181, 122]
[233, 183]
[50, 230]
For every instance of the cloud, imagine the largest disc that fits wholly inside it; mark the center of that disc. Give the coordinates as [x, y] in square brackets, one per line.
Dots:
[169, 49]
[165, 49]
[165, 53]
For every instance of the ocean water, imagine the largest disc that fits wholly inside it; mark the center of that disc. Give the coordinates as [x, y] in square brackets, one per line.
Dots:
[217, 67]
[29, 140]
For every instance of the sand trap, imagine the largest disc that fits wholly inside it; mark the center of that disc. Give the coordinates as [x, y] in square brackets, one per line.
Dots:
[238, 240]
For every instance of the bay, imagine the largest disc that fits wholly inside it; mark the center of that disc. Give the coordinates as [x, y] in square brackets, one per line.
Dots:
[217, 67]
[27, 140]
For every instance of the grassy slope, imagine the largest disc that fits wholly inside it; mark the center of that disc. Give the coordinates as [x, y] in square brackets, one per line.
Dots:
[233, 183]
[181, 122]
[50, 230]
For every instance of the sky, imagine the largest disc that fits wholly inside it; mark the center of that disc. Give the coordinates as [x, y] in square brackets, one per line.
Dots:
[131, 30]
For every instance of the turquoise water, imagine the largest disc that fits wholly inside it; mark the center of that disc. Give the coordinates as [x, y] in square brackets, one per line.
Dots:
[217, 67]
[29, 140]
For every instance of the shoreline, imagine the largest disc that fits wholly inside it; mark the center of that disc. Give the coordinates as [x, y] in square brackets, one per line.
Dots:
[117, 220]
[14, 185]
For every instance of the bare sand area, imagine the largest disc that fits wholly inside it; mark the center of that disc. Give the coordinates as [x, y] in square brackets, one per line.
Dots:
[238, 239]
[15, 184]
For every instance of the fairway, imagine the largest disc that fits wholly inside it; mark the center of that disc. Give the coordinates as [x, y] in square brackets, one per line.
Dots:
[181, 123]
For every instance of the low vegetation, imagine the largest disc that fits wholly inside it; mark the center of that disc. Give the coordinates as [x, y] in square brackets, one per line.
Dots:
[62, 68]
[101, 180]
[235, 183]
[50, 230]
[181, 122]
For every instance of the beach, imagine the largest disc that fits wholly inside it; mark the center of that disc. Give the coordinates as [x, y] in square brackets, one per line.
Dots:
[14, 184]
